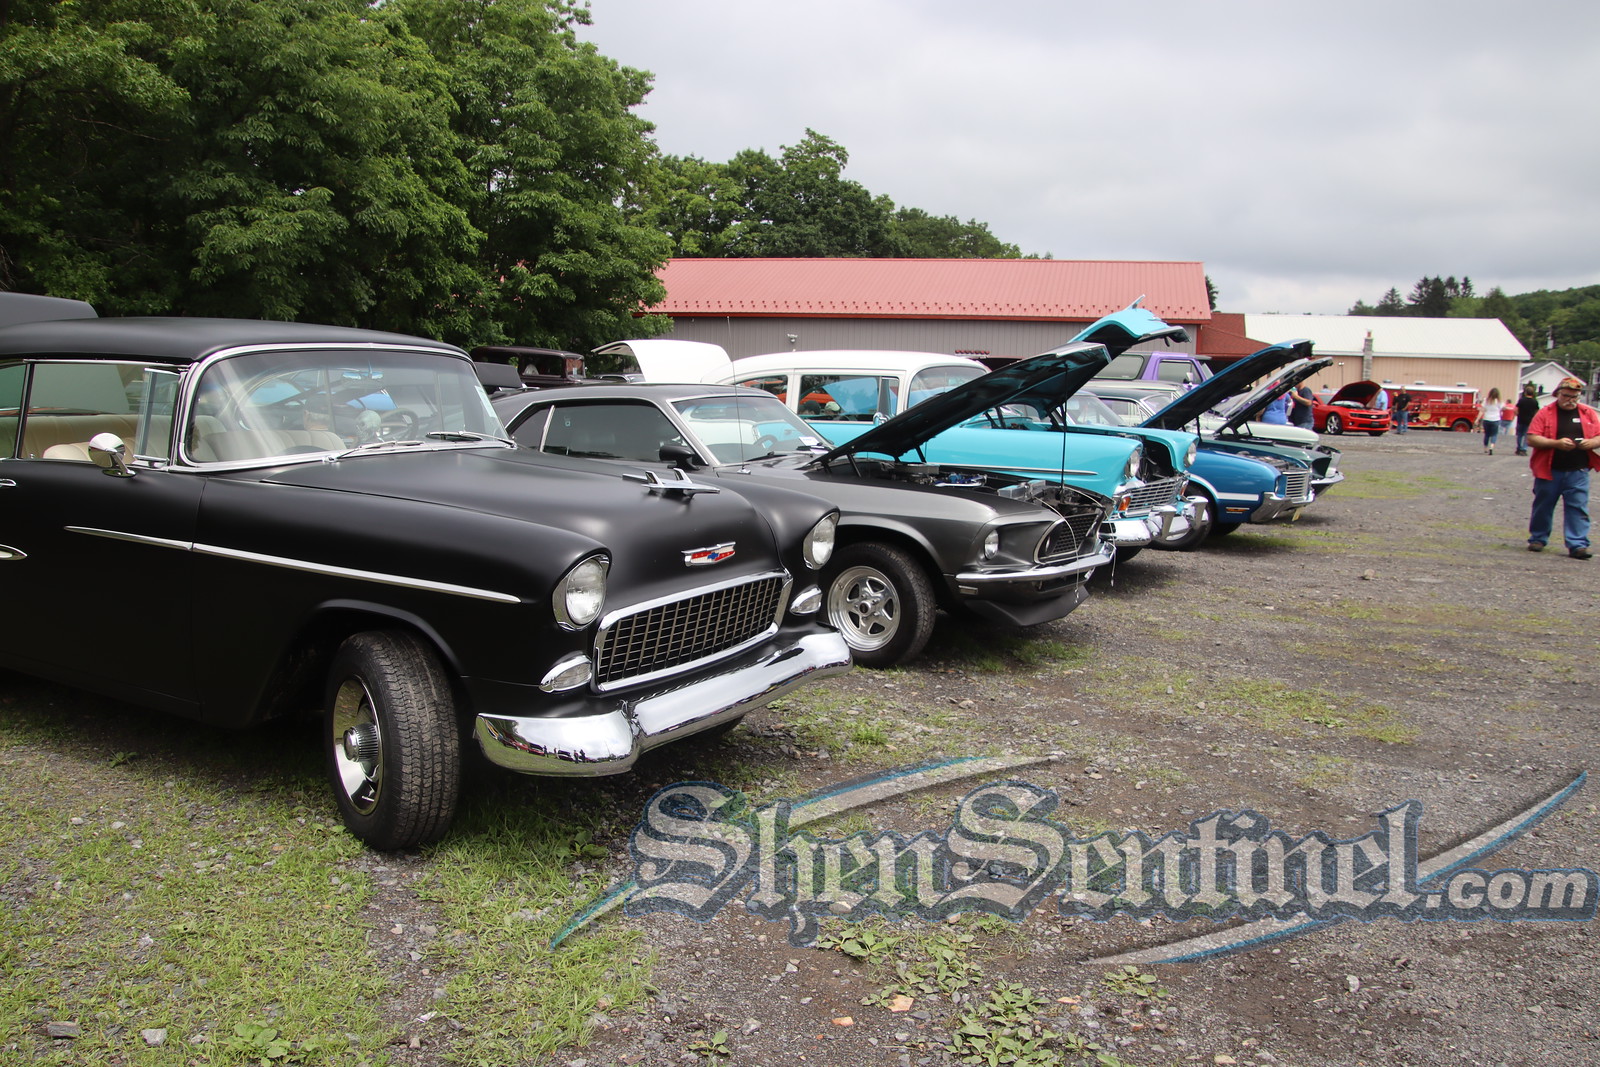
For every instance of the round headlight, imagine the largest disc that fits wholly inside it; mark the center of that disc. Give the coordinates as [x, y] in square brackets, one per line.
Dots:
[818, 545]
[1188, 457]
[991, 544]
[581, 593]
[1134, 459]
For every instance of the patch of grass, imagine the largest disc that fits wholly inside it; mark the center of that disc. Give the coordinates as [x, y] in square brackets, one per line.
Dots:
[1391, 485]
[224, 919]
[505, 884]
[1321, 772]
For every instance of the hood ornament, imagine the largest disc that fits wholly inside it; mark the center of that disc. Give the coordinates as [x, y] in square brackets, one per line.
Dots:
[678, 483]
[705, 557]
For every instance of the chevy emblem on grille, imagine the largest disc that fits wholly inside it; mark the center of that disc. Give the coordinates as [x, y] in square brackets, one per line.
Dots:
[704, 557]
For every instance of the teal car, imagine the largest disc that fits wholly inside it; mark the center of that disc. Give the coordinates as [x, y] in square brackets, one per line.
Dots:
[1013, 420]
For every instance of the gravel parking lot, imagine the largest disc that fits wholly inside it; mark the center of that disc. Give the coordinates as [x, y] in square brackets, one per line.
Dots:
[1396, 643]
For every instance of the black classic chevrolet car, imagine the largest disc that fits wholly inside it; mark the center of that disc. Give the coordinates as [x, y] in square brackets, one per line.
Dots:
[913, 537]
[280, 517]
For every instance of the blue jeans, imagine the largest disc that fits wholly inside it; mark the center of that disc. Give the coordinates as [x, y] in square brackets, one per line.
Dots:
[1491, 430]
[1522, 438]
[1572, 489]
[1402, 419]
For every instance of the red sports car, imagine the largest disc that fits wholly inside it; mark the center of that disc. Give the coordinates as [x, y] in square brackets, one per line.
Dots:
[1350, 409]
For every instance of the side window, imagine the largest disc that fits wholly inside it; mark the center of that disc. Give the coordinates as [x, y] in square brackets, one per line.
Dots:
[69, 404]
[608, 431]
[11, 377]
[847, 398]
[776, 384]
[929, 383]
[530, 431]
[1178, 370]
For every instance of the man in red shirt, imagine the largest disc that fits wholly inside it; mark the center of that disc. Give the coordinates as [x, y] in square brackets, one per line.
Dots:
[1564, 436]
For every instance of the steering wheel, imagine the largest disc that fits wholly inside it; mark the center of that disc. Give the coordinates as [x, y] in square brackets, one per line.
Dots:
[766, 443]
[399, 424]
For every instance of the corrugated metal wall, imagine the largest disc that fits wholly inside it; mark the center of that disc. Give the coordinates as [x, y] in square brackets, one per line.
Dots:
[755, 336]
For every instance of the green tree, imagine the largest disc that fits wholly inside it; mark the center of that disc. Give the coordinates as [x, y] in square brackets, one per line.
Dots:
[1391, 304]
[544, 128]
[695, 203]
[1429, 299]
[276, 159]
[925, 236]
[801, 205]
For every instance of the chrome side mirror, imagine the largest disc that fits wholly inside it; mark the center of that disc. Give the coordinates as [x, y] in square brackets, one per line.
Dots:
[110, 455]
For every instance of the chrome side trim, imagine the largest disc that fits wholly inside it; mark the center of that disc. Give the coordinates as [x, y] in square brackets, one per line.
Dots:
[9, 553]
[138, 539]
[304, 565]
[361, 576]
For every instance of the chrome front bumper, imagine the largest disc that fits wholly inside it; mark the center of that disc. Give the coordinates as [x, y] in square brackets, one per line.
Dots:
[970, 583]
[609, 742]
[1160, 524]
[1273, 507]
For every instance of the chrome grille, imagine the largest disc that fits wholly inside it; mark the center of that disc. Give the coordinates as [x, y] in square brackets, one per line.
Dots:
[1154, 494]
[1297, 484]
[1074, 536]
[662, 637]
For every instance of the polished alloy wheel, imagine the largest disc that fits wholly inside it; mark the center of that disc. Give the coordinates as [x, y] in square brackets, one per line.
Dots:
[357, 746]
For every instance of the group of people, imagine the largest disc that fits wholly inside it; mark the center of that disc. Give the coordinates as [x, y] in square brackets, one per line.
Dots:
[1499, 415]
[1297, 407]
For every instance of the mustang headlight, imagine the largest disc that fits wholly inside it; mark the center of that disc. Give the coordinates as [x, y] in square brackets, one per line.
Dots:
[991, 544]
[818, 546]
[581, 593]
[1135, 458]
[1188, 457]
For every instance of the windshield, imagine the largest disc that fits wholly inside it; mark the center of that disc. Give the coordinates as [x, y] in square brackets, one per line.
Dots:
[1086, 409]
[735, 429]
[268, 404]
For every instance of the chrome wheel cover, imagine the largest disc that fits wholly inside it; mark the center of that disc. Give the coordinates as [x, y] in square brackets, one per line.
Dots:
[865, 607]
[357, 740]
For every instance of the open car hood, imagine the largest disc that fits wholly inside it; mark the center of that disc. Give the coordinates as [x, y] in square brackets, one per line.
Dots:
[664, 360]
[1046, 380]
[1285, 379]
[1133, 325]
[1229, 382]
[1359, 393]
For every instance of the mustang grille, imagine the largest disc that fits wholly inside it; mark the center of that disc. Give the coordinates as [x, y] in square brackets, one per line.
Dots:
[1153, 494]
[670, 635]
[1074, 536]
[1297, 484]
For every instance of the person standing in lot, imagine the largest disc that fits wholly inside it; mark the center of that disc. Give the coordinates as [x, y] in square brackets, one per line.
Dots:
[1564, 436]
[1302, 410]
[1508, 415]
[1527, 408]
[1276, 413]
[1489, 419]
[1402, 410]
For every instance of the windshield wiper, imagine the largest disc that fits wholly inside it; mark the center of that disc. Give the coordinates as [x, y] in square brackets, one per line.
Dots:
[467, 435]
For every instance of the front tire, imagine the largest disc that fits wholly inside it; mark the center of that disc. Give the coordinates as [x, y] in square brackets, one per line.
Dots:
[1199, 528]
[881, 601]
[1334, 425]
[392, 744]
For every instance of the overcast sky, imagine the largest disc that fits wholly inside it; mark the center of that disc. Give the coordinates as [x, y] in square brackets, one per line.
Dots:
[1309, 154]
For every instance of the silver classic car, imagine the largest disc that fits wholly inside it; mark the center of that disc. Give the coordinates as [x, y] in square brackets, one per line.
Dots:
[280, 517]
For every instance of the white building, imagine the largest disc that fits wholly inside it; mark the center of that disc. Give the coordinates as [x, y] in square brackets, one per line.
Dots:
[1480, 353]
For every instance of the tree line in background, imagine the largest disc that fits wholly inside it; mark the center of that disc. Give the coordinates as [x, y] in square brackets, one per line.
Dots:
[462, 169]
[1563, 326]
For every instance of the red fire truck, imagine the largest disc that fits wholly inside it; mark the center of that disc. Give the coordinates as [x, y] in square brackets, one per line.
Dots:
[1441, 407]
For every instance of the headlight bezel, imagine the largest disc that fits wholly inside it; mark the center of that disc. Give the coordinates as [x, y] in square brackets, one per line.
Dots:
[579, 597]
[816, 548]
